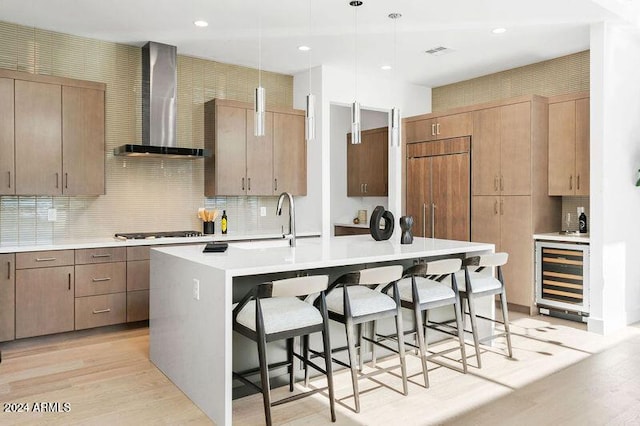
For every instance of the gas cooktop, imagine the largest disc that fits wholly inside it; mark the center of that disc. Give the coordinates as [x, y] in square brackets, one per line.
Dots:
[151, 235]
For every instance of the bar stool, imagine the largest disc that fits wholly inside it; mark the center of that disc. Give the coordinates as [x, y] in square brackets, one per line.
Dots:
[473, 284]
[355, 299]
[421, 289]
[273, 311]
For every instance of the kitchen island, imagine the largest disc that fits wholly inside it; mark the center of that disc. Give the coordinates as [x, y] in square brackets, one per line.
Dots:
[192, 295]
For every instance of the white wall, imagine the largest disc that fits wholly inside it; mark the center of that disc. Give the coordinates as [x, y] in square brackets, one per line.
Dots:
[335, 86]
[615, 159]
[343, 208]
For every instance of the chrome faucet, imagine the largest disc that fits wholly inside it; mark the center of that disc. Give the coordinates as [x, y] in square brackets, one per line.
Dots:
[292, 218]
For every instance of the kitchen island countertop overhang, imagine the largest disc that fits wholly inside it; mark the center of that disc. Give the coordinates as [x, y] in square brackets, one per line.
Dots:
[191, 300]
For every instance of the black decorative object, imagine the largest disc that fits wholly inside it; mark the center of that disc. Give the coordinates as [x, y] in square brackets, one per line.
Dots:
[374, 224]
[406, 223]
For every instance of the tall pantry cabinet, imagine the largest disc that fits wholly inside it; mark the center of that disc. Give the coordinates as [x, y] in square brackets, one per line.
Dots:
[509, 180]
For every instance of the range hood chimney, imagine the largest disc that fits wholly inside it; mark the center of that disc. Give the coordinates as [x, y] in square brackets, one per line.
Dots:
[159, 110]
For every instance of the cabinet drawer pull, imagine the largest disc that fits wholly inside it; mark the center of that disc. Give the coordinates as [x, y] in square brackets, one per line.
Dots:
[66, 180]
[495, 207]
[365, 188]
[571, 182]
[57, 179]
[243, 184]
[248, 184]
[97, 256]
[9, 270]
[69, 281]
[276, 184]
[98, 280]
[45, 259]
[102, 311]
[9, 173]
[578, 181]
[438, 129]
[433, 130]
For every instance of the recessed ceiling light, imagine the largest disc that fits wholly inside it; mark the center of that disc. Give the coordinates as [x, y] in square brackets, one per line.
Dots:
[304, 48]
[499, 30]
[385, 67]
[201, 24]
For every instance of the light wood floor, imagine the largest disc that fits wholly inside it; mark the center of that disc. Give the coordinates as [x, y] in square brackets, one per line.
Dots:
[560, 374]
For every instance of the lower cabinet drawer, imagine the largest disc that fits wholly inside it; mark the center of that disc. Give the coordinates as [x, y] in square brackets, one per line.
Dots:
[137, 305]
[96, 311]
[101, 278]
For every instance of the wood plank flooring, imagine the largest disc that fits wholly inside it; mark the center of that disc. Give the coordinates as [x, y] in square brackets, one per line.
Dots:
[560, 374]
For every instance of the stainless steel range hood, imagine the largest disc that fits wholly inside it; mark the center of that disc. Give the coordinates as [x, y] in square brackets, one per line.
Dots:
[159, 109]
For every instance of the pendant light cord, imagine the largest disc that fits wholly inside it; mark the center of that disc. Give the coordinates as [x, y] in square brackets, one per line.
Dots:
[309, 41]
[259, 44]
[355, 44]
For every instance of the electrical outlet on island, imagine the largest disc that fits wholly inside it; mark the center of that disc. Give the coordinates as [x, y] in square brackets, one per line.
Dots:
[263, 211]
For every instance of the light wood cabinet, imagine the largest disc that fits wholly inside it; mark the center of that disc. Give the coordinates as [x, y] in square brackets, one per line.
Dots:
[100, 255]
[444, 127]
[289, 154]
[38, 140]
[7, 297]
[7, 140]
[52, 139]
[44, 301]
[367, 164]
[83, 141]
[243, 164]
[137, 305]
[507, 222]
[138, 283]
[502, 150]
[569, 145]
[101, 278]
[138, 275]
[98, 311]
[438, 189]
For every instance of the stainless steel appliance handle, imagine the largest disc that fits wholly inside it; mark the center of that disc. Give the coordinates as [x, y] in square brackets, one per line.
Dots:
[69, 281]
[99, 280]
[424, 219]
[102, 311]
[433, 220]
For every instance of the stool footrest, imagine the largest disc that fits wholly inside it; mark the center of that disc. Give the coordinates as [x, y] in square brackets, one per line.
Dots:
[296, 397]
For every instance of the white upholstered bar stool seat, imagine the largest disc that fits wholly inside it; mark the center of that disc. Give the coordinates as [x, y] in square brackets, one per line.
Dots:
[280, 314]
[481, 282]
[364, 301]
[428, 290]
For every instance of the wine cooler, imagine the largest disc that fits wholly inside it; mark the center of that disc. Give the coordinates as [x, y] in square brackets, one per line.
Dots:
[562, 279]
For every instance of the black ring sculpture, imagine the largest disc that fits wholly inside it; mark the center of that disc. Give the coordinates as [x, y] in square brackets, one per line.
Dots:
[374, 224]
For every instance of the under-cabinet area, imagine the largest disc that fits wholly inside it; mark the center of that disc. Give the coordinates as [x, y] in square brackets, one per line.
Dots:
[48, 292]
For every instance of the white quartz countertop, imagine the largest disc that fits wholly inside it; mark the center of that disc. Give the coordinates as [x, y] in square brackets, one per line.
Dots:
[557, 236]
[243, 259]
[72, 244]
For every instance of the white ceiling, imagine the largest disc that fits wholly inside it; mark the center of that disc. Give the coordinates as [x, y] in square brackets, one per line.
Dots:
[537, 30]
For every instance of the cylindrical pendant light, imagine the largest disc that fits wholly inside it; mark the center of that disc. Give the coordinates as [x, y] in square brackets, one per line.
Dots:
[395, 111]
[259, 112]
[259, 98]
[310, 117]
[355, 123]
[355, 107]
[310, 114]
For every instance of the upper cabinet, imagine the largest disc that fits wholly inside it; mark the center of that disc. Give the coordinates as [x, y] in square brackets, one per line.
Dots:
[52, 138]
[422, 129]
[569, 145]
[7, 146]
[502, 150]
[243, 164]
[367, 164]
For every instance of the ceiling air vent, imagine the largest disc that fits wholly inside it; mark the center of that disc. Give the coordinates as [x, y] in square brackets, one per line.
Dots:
[439, 51]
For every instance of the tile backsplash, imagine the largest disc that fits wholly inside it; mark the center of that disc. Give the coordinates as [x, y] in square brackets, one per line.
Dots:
[570, 206]
[142, 195]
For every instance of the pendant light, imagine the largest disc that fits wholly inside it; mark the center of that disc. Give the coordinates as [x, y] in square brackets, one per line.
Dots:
[310, 113]
[355, 107]
[259, 97]
[395, 111]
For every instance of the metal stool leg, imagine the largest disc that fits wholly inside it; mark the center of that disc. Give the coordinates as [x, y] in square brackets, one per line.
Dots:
[352, 362]
[264, 376]
[474, 327]
[360, 347]
[305, 354]
[290, 361]
[374, 332]
[505, 319]
[460, 326]
[403, 363]
[328, 367]
[420, 336]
